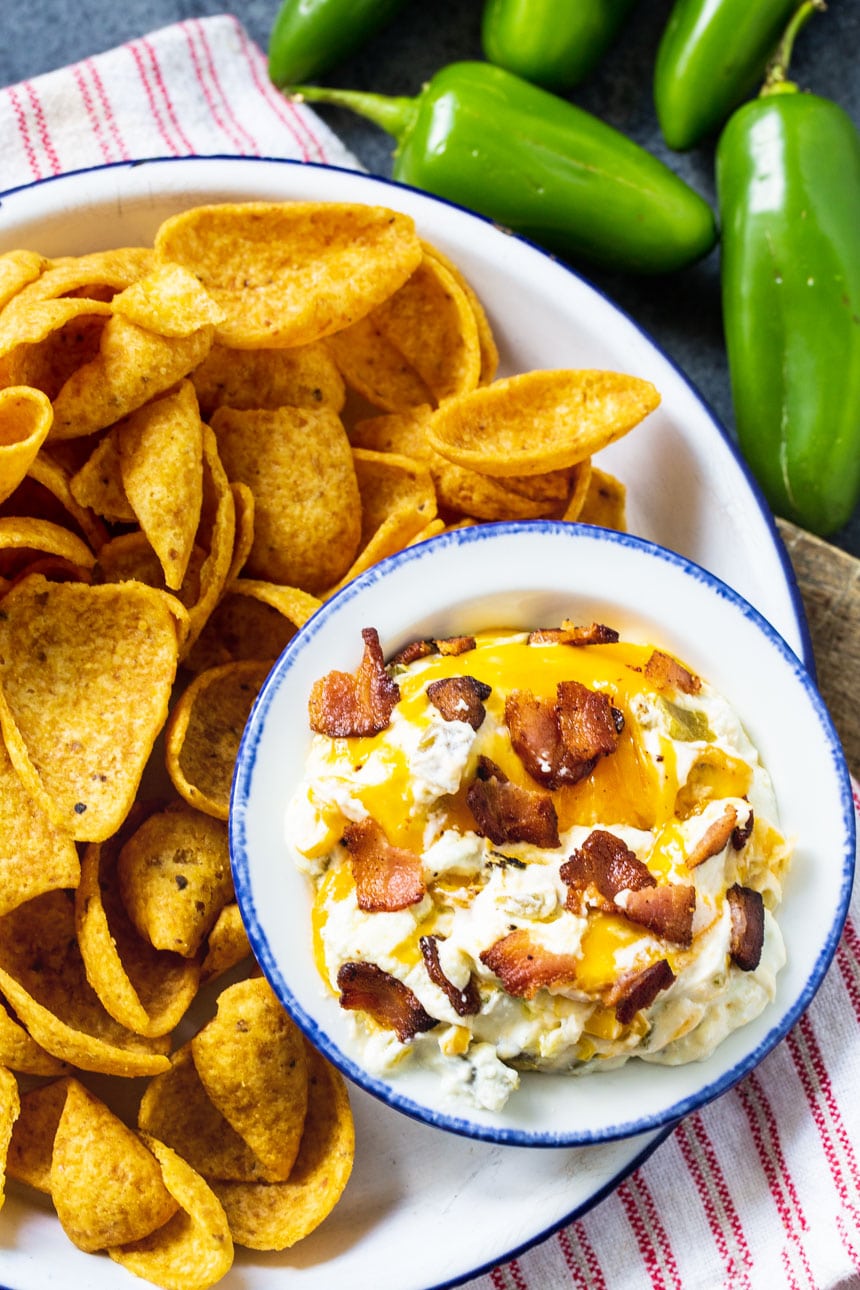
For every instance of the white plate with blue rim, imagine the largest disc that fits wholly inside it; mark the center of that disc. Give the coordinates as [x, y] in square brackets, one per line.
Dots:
[687, 489]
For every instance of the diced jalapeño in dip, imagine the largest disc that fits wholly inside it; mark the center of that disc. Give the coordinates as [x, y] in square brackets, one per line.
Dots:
[552, 850]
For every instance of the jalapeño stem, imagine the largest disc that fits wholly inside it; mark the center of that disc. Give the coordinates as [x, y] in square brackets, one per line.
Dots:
[394, 115]
[775, 80]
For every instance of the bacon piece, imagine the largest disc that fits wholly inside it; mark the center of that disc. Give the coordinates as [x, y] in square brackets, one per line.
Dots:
[666, 910]
[412, 652]
[666, 673]
[605, 862]
[714, 839]
[464, 1002]
[460, 698]
[637, 990]
[345, 704]
[742, 834]
[504, 812]
[747, 938]
[365, 987]
[455, 644]
[523, 966]
[570, 634]
[560, 741]
[387, 878]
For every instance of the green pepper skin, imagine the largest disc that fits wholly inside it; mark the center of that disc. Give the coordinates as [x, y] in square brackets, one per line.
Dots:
[550, 44]
[788, 179]
[482, 137]
[712, 57]
[309, 37]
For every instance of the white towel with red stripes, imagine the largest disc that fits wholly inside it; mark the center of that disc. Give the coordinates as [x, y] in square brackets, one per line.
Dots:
[761, 1189]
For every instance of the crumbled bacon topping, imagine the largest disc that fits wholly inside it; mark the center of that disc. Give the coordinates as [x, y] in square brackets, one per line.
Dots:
[460, 698]
[570, 634]
[346, 704]
[387, 878]
[606, 863]
[365, 987]
[559, 741]
[666, 673]
[742, 834]
[637, 990]
[455, 644]
[504, 812]
[523, 966]
[714, 839]
[747, 937]
[412, 652]
[465, 1002]
[666, 910]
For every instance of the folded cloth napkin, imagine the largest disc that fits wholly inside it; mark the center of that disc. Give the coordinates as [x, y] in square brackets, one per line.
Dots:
[759, 1190]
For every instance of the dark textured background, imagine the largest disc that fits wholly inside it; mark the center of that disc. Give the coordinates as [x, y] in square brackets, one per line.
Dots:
[681, 312]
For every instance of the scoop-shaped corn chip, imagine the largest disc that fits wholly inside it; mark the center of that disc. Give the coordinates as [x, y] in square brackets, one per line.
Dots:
[20, 1052]
[10, 1106]
[487, 346]
[130, 558]
[539, 421]
[133, 366]
[216, 535]
[85, 678]
[161, 460]
[145, 989]
[174, 875]
[275, 1216]
[226, 945]
[96, 276]
[304, 377]
[35, 856]
[168, 300]
[374, 367]
[105, 1184]
[580, 480]
[398, 500]
[17, 268]
[605, 502]
[24, 539]
[298, 465]
[243, 504]
[292, 272]
[251, 1060]
[31, 323]
[176, 1109]
[431, 322]
[253, 620]
[194, 1248]
[25, 419]
[459, 489]
[50, 480]
[98, 483]
[204, 731]
[42, 975]
[32, 1145]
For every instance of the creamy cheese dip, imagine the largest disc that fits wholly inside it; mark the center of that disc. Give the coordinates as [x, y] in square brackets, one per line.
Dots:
[681, 760]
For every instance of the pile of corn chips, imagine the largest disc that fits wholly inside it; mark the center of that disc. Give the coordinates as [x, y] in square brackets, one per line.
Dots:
[199, 442]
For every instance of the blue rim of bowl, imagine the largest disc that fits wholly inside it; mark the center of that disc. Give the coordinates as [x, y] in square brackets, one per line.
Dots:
[384, 1090]
[764, 509]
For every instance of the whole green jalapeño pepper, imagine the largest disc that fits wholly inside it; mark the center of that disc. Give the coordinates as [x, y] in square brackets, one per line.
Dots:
[311, 36]
[551, 44]
[788, 178]
[712, 56]
[482, 137]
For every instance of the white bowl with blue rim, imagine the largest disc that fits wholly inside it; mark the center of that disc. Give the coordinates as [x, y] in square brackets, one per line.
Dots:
[522, 576]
